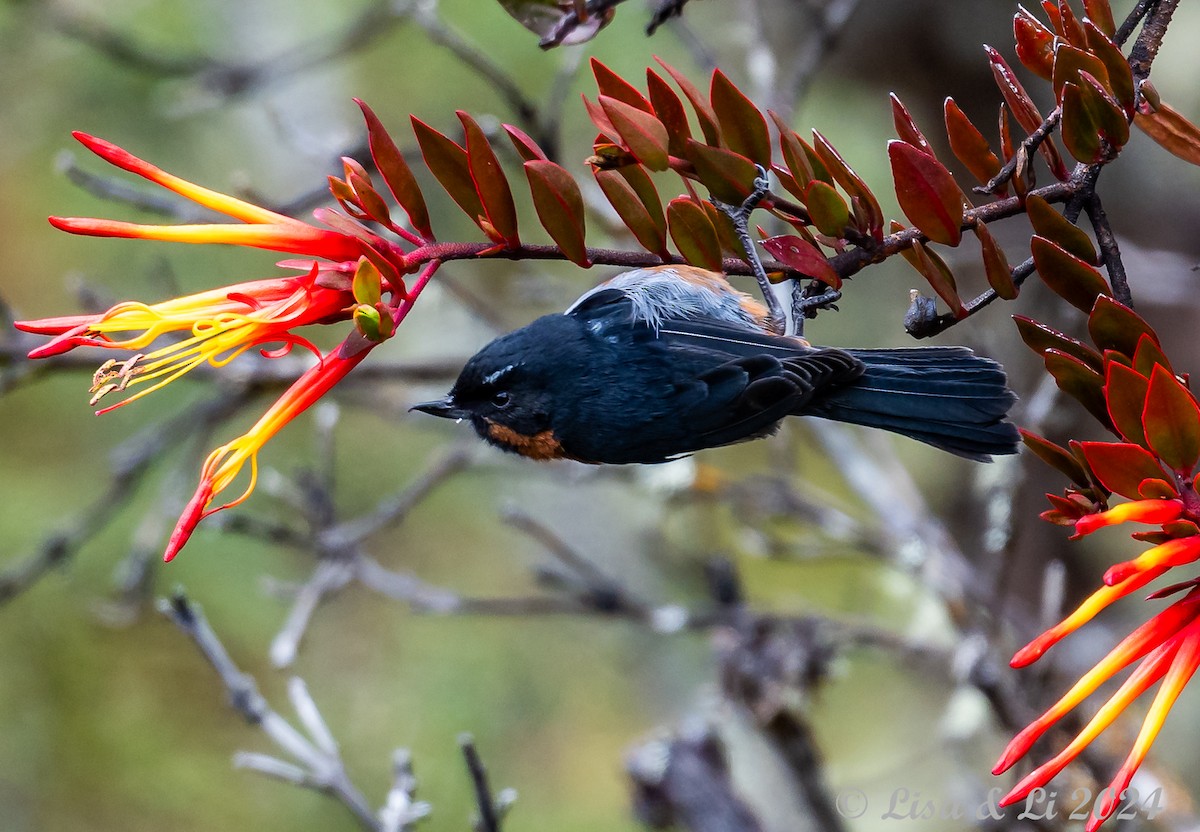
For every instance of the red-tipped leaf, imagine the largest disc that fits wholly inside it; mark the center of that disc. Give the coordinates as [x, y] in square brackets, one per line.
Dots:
[995, 264]
[559, 206]
[969, 145]
[1172, 422]
[927, 193]
[396, 173]
[742, 125]
[639, 219]
[490, 182]
[1121, 468]
[802, 256]
[1071, 278]
[448, 163]
[694, 234]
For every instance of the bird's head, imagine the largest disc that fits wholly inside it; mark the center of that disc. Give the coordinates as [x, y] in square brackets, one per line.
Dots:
[506, 390]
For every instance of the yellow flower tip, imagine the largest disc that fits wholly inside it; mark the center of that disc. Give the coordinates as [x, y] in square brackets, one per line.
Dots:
[1153, 512]
[1164, 556]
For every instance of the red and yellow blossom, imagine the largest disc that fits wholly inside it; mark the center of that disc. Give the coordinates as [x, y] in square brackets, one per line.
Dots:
[349, 273]
[1155, 467]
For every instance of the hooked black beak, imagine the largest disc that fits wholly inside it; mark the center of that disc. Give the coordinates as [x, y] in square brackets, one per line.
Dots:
[445, 408]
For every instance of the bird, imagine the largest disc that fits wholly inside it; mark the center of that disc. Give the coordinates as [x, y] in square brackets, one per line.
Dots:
[661, 362]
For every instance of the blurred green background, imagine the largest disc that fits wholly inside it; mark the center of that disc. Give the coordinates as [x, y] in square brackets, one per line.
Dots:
[112, 722]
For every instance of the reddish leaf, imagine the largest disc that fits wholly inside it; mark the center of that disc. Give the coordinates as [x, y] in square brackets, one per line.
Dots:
[1114, 326]
[1024, 110]
[346, 197]
[1071, 278]
[1070, 27]
[670, 112]
[1056, 228]
[1039, 337]
[1035, 44]
[1125, 390]
[727, 234]
[704, 113]
[601, 120]
[1080, 132]
[1121, 468]
[559, 206]
[1079, 381]
[1056, 457]
[1149, 355]
[728, 176]
[850, 181]
[1156, 489]
[1069, 62]
[396, 173]
[1172, 132]
[1008, 149]
[1051, 9]
[927, 193]
[525, 146]
[906, 127]
[694, 234]
[370, 200]
[448, 163]
[800, 159]
[632, 211]
[742, 125]
[1120, 76]
[490, 182]
[828, 210]
[788, 182]
[804, 257]
[1172, 422]
[1093, 123]
[934, 269]
[612, 85]
[969, 145]
[641, 132]
[995, 264]
[1100, 14]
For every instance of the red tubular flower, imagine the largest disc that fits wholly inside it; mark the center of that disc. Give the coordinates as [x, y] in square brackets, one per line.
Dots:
[1165, 648]
[225, 463]
[218, 325]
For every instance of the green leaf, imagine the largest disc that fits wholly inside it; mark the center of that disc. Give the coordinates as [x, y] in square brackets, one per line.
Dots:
[804, 257]
[742, 125]
[1092, 119]
[367, 285]
[995, 264]
[1071, 278]
[694, 234]
[968, 144]
[704, 113]
[1035, 44]
[524, 144]
[1149, 355]
[906, 127]
[600, 118]
[1056, 228]
[1172, 422]
[448, 163]
[828, 210]
[630, 208]
[927, 193]
[643, 186]
[559, 206]
[1114, 326]
[1121, 468]
[1057, 457]
[396, 173]
[1039, 337]
[1125, 391]
[490, 182]
[799, 157]
[641, 132]
[1069, 62]
[728, 176]
[850, 181]
[1079, 381]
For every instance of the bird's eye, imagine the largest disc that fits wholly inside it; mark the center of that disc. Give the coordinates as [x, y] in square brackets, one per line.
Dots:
[501, 399]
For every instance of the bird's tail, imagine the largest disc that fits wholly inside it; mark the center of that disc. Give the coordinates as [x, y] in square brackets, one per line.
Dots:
[946, 397]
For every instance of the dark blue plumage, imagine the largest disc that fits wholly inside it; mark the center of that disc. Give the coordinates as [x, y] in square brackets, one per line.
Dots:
[664, 362]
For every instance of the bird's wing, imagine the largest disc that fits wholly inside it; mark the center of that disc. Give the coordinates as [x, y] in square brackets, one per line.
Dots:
[750, 379]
